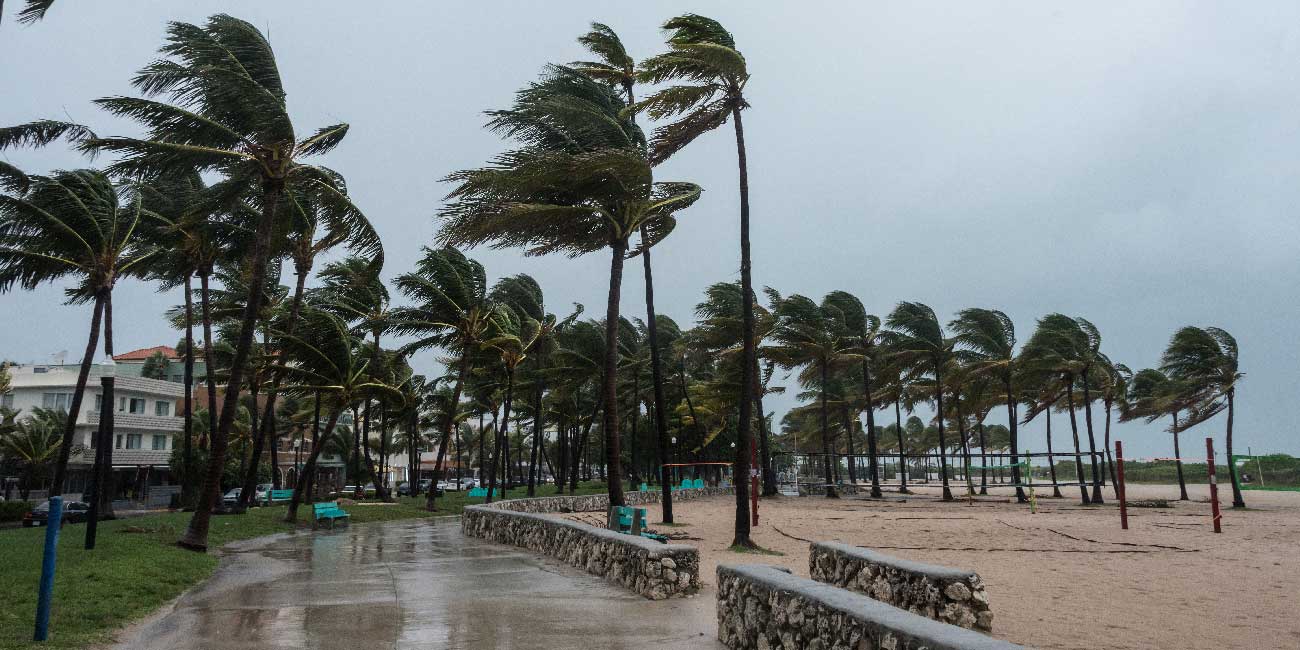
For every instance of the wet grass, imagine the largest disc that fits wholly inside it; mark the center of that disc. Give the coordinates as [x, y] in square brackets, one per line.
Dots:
[136, 566]
[753, 550]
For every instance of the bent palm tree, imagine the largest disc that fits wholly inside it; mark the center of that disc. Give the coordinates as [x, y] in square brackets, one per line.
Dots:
[71, 225]
[866, 328]
[1204, 362]
[580, 182]
[1151, 395]
[916, 339]
[987, 346]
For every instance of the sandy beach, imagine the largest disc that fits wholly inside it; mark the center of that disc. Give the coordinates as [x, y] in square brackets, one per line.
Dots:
[1066, 577]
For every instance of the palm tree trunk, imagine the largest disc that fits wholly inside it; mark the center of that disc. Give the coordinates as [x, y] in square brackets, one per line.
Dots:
[448, 426]
[872, 444]
[657, 378]
[83, 375]
[107, 483]
[1178, 462]
[1237, 500]
[1107, 458]
[1078, 453]
[562, 449]
[538, 420]
[268, 413]
[614, 482]
[502, 439]
[1098, 479]
[358, 488]
[902, 447]
[826, 437]
[848, 435]
[984, 459]
[764, 435]
[209, 364]
[300, 492]
[1051, 460]
[259, 430]
[943, 448]
[187, 451]
[635, 415]
[579, 452]
[965, 441]
[196, 536]
[744, 435]
[1013, 426]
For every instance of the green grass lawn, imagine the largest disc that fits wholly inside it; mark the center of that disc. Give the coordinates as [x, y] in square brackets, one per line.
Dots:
[136, 566]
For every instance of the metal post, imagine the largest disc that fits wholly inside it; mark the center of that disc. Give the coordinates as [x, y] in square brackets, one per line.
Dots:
[1214, 484]
[103, 455]
[52, 526]
[753, 483]
[1123, 500]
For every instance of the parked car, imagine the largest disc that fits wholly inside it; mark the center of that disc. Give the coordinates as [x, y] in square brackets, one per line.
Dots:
[404, 489]
[232, 497]
[349, 490]
[262, 490]
[73, 512]
[456, 485]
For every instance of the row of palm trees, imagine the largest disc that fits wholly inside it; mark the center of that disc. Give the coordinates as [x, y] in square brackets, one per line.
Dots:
[579, 179]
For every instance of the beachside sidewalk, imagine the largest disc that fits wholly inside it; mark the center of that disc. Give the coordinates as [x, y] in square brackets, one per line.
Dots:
[412, 584]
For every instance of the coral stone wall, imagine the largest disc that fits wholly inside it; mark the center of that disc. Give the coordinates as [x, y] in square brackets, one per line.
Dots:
[763, 607]
[653, 570]
[948, 595]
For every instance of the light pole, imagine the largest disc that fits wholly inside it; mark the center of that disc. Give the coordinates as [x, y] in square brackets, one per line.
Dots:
[103, 449]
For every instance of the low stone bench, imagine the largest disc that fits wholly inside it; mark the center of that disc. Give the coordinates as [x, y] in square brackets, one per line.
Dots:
[649, 568]
[763, 607]
[944, 594]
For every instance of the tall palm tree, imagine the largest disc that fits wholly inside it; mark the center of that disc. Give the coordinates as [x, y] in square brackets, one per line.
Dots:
[616, 68]
[1151, 395]
[703, 53]
[1204, 362]
[818, 339]
[916, 339]
[227, 114]
[451, 311]
[72, 226]
[986, 340]
[1114, 378]
[511, 336]
[1059, 352]
[581, 181]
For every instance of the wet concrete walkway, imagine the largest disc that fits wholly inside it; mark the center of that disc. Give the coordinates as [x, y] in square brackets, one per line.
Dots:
[413, 585]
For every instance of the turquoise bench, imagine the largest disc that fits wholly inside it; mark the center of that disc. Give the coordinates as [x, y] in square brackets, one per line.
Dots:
[477, 493]
[631, 521]
[329, 511]
[698, 483]
[278, 495]
[643, 487]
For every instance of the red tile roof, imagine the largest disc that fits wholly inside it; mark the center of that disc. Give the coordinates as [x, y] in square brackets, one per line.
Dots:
[145, 353]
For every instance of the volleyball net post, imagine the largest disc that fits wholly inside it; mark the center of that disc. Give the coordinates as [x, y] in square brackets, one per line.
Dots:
[1214, 484]
[1119, 488]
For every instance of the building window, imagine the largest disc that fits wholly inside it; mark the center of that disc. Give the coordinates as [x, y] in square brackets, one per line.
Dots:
[56, 401]
[159, 443]
[134, 440]
[130, 405]
[118, 443]
[162, 408]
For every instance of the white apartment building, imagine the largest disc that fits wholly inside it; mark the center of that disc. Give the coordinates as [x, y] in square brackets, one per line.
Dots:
[147, 424]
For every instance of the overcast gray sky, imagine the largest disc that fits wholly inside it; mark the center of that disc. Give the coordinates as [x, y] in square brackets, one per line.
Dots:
[1132, 163]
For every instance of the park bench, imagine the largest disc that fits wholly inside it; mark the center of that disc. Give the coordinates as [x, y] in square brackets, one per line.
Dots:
[477, 493]
[278, 495]
[631, 521]
[329, 511]
[643, 487]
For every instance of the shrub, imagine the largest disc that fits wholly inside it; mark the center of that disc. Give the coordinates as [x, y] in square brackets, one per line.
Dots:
[14, 510]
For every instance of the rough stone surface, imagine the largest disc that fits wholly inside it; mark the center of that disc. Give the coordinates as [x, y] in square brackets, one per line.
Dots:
[947, 595]
[653, 570]
[763, 607]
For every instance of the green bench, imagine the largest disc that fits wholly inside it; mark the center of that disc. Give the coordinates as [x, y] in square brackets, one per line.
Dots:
[278, 495]
[688, 484]
[329, 511]
[643, 487]
[631, 521]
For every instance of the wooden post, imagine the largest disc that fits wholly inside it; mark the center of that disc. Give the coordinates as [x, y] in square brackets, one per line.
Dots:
[1214, 484]
[1123, 500]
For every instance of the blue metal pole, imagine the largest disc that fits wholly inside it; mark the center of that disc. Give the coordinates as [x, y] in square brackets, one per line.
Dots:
[52, 526]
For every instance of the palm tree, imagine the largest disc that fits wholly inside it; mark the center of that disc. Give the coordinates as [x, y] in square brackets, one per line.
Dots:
[72, 226]
[1204, 363]
[451, 311]
[324, 358]
[1151, 395]
[1060, 351]
[616, 68]
[866, 328]
[986, 339]
[817, 338]
[916, 339]
[228, 114]
[1114, 379]
[581, 181]
[704, 54]
[32, 11]
[511, 336]
[33, 443]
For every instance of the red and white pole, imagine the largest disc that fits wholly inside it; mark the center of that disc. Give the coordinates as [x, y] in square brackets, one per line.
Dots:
[1214, 484]
[1120, 488]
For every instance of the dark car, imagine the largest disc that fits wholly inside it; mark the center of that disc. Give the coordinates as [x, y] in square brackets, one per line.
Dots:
[73, 512]
[404, 489]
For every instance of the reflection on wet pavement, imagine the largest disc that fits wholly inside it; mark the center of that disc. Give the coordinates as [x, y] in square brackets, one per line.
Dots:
[413, 585]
